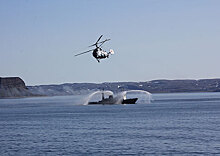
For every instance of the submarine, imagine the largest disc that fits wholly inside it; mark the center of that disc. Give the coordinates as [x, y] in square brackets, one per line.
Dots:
[111, 100]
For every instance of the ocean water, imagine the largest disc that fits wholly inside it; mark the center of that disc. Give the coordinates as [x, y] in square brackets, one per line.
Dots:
[172, 124]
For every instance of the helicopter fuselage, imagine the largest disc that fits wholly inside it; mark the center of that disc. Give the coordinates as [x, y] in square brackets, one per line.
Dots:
[98, 53]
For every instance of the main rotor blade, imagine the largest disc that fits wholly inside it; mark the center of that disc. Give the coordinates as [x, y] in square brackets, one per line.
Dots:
[84, 52]
[101, 43]
[96, 41]
[92, 45]
[99, 39]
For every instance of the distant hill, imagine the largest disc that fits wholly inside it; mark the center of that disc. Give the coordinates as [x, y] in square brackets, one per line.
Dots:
[155, 86]
[12, 87]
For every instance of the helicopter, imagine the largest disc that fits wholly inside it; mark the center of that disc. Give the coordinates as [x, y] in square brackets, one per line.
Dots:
[97, 52]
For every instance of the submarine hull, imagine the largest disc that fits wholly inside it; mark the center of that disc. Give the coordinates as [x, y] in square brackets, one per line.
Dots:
[113, 101]
[129, 101]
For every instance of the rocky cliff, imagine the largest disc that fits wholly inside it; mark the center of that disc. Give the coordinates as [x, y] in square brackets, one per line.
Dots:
[13, 87]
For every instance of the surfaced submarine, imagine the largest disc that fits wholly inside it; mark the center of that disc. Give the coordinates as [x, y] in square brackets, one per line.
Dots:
[111, 100]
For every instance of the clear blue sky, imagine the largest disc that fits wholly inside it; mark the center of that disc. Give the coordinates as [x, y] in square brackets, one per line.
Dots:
[152, 39]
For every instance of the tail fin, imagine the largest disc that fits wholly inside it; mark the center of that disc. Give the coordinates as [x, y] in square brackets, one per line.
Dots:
[111, 51]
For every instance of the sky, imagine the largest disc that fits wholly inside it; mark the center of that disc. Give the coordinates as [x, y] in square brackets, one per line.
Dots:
[152, 39]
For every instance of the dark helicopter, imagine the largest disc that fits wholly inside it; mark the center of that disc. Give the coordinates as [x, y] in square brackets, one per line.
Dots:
[98, 53]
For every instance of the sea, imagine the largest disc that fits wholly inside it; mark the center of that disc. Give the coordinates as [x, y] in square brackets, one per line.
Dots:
[171, 124]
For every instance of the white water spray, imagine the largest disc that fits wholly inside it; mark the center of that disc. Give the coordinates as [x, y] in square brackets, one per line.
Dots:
[108, 92]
